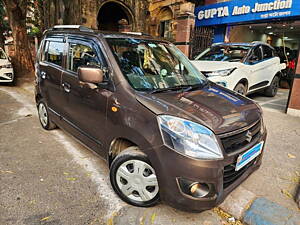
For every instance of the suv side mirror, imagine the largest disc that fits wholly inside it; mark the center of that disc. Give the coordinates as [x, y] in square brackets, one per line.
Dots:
[253, 59]
[92, 75]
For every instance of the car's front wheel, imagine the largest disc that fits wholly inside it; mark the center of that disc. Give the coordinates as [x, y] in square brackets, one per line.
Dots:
[271, 91]
[241, 89]
[134, 179]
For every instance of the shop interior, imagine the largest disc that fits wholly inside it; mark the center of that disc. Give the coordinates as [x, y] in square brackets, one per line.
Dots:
[284, 36]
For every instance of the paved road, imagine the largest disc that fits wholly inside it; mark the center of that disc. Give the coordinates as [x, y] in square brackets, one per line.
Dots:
[277, 103]
[49, 178]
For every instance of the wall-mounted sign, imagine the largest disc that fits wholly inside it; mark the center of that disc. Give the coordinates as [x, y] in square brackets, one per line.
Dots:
[243, 11]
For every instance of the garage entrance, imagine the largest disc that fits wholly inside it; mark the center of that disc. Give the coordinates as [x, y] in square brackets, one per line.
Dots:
[284, 37]
[114, 16]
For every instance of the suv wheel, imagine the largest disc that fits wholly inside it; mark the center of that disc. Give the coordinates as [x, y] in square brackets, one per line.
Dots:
[241, 89]
[45, 120]
[134, 179]
[271, 91]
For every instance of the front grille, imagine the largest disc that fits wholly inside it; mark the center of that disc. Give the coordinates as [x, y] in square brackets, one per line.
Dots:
[230, 175]
[235, 142]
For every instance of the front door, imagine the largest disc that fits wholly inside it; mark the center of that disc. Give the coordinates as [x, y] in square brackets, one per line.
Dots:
[50, 69]
[85, 104]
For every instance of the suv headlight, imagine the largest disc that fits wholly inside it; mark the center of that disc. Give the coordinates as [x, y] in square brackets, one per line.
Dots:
[189, 138]
[220, 72]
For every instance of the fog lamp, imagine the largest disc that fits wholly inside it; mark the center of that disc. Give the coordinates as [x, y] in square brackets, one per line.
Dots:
[199, 190]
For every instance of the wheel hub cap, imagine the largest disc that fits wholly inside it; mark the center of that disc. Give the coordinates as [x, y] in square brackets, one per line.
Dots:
[43, 114]
[137, 180]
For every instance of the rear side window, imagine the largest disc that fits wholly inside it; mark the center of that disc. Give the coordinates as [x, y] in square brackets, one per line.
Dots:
[81, 55]
[268, 52]
[53, 52]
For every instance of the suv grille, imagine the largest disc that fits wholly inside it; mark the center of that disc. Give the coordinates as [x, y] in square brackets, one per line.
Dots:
[230, 175]
[237, 141]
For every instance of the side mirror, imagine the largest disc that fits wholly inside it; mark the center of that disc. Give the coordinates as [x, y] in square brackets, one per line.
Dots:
[90, 75]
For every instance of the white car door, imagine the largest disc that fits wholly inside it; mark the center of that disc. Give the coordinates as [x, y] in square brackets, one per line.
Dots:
[271, 64]
[256, 67]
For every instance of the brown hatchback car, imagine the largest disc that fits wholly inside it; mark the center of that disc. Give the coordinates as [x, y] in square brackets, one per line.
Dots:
[166, 131]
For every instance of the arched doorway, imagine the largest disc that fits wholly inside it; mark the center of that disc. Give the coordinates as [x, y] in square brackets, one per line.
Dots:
[114, 16]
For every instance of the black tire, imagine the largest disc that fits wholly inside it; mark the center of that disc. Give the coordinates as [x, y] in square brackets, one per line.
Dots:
[129, 154]
[48, 125]
[241, 89]
[271, 91]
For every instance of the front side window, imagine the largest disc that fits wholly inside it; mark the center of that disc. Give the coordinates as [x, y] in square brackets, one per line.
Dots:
[54, 52]
[151, 65]
[256, 55]
[224, 53]
[81, 55]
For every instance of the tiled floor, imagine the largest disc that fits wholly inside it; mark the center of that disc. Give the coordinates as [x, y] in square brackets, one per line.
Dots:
[277, 103]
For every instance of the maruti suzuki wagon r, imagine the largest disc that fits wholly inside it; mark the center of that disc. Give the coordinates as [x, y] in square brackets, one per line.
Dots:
[166, 132]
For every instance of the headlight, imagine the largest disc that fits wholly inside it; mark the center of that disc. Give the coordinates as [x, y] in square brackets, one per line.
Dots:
[189, 138]
[220, 72]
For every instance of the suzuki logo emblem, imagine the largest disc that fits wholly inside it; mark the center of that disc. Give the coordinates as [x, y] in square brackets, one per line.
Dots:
[249, 136]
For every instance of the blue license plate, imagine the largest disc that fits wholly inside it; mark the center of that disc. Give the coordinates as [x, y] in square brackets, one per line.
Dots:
[248, 156]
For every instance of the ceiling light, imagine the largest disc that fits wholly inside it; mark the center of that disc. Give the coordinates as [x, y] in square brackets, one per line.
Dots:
[285, 38]
[271, 33]
[269, 27]
[291, 28]
[283, 25]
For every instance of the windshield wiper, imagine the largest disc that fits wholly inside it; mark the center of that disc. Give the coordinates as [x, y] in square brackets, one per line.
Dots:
[183, 88]
[159, 90]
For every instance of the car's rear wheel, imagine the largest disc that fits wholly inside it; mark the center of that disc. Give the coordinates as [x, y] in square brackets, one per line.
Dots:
[271, 91]
[241, 89]
[134, 179]
[44, 118]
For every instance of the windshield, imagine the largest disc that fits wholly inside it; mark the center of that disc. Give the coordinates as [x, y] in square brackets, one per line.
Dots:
[2, 55]
[151, 65]
[224, 53]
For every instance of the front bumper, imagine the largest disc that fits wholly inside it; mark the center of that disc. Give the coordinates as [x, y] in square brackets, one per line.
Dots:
[6, 75]
[174, 166]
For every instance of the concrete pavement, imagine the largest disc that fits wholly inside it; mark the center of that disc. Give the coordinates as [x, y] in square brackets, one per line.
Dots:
[49, 178]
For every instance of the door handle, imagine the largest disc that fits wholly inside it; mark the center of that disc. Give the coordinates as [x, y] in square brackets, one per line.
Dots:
[43, 75]
[67, 87]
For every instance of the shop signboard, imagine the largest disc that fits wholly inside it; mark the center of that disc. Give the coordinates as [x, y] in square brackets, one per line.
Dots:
[238, 11]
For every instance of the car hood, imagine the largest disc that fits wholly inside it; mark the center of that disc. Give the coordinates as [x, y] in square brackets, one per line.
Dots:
[215, 65]
[215, 107]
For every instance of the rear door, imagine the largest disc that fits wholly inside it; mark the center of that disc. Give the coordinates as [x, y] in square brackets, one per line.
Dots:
[84, 104]
[50, 69]
[256, 68]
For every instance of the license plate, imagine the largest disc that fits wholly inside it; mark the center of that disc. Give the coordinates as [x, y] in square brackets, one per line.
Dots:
[248, 156]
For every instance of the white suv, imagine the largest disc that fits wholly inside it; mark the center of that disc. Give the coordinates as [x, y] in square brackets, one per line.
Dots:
[242, 67]
[6, 69]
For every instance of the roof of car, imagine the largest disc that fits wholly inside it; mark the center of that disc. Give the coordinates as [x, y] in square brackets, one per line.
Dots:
[81, 30]
[248, 44]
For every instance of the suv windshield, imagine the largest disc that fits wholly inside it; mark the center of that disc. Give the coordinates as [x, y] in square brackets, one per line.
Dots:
[224, 53]
[153, 65]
